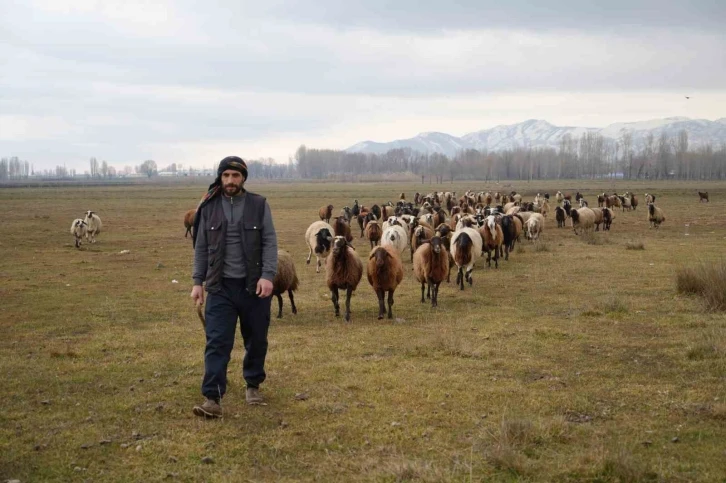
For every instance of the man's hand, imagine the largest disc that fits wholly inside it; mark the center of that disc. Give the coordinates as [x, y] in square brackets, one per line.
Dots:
[264, 288]
[198, 294]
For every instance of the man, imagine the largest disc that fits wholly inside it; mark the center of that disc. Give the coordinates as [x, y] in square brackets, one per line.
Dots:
[235, 255]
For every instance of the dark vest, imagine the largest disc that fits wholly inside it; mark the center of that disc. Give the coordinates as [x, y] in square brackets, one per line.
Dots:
[216, 231]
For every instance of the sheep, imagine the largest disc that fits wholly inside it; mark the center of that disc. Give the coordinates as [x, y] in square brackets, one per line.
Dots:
[703, 196]
[356, 208]
[599, 217]
[420, 234]
[285, 280]
[385, 273]
[342, 228]
[583, 203]
[376, 210]
[392, 220]
[524, 215]
[395, 236]
[583, 218]
[534, 226]
[509, 206]
[467, 221]
[430, 266]
[319, 236]
[517, 197]
[492, 239]
[78, 230]
[560, 216]
[373, 232]
[559, 197]
[402, 197]
[343, 270]
[346, 213]
[567, 206]
[93, 226]
[325, 213]
[607, 218]
[445, 232]
[364, 216]
[578, 196]
[649, 199]
[439, 216]
[189, 222]
[655, 216]
[601, 200]
[466, 245]
[633, 201]
[509, 233]
[543, 208]
[625, 202]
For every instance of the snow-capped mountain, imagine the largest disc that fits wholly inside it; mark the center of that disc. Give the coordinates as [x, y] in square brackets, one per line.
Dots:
[537, 133]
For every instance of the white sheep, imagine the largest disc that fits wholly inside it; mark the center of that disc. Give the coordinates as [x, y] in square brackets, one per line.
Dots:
[78, 230]
[319, 237]
[466, 245]
[395, 236]
[94, 226]
[534, 226]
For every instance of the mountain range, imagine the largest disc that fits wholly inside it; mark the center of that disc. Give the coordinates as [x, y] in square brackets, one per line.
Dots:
[538, 133]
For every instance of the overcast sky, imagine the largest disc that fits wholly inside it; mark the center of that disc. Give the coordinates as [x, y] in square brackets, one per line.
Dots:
[191, 82]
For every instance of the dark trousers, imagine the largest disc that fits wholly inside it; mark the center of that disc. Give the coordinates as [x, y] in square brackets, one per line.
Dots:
[223, 309]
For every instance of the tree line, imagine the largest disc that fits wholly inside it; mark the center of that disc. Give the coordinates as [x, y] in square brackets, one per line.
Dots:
[588, 156]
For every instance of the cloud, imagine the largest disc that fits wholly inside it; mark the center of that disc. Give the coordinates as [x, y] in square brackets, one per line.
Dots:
[130, 81]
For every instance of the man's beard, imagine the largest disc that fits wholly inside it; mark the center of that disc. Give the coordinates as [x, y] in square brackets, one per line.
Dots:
[237, 189]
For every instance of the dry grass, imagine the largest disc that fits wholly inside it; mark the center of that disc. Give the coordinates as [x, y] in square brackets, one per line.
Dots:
[707, 280]
[580, 363]
[635, 245]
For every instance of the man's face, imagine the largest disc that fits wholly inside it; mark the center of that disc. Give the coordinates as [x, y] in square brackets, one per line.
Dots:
[232, 182]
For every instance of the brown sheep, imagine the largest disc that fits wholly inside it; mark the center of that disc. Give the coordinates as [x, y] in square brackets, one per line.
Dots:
[430, 267]
[363, 218]
[343, 270]
[342, 228]
[189, 222]
[385, 272]
[703, 196]
[422, 233]
[373, 232]
[492, 239]
[285, 280]
[325, 213]
[655, 216]
[445, 232]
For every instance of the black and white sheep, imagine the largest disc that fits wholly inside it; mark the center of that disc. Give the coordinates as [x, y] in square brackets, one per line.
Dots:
[319, 237]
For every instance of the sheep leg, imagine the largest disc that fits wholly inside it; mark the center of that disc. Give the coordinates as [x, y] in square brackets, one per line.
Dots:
[279, 304]
[348, 293]
[310, 254]
[468, 276]
[381, 303]
[317, 270]
[496, 258]
[460, 278]
[506, 251]
[435, 296]
[390, 304]
[489, 258]
[428, 289]
[292, 302]
[423, 289]
[334, 297]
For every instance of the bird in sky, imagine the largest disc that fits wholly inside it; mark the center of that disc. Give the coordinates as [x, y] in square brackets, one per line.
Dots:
[687, 97]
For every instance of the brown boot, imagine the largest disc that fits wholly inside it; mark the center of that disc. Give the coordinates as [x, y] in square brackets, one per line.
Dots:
[210, 409]
[254, 397]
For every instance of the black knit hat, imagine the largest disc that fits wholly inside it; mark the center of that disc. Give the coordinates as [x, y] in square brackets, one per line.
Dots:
[232, 162]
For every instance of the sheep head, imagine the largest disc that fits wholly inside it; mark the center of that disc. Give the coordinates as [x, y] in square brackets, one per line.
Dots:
[436, 244]
[323, 240]
[381, 255]
[340, 244]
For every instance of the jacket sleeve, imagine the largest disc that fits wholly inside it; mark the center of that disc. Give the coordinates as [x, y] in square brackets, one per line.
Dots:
[269, 246]
[199, 272]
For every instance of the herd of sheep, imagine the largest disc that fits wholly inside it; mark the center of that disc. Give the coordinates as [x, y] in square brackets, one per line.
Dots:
[440, 229]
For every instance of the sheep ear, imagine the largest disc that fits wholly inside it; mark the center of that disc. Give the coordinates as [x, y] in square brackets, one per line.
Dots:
[373, 254]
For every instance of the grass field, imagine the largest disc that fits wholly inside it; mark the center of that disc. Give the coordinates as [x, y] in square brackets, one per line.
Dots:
[575, 362]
